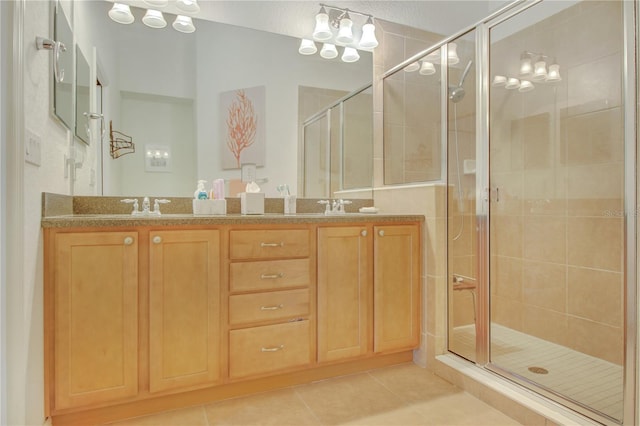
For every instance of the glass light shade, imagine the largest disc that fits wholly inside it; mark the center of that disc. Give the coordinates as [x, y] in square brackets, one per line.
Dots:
[345, 33]
[350, 55]
[368, 39]
[554, 73]
[154, 19]
[525, 86]
[427, 68]
[307, 47]
[434, 57]
[499, 80]
[525, 65]
[415, 66]
[329, 51]
[539, 71]
[157, 3]
[322, 32]
[452, 54]
[121, 13]
[184, 24]
[512, 83]
[188, 6]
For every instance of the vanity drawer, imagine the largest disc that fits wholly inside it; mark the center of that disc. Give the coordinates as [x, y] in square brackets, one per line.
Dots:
[249, 308]
[268, 275]
[270, 348]
[269, 244]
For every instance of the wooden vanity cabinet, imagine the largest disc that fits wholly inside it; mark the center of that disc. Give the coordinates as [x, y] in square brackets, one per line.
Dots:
[184, 309]
[95, 320]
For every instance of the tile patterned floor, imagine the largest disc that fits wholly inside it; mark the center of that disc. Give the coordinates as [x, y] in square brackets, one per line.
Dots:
[399, 395]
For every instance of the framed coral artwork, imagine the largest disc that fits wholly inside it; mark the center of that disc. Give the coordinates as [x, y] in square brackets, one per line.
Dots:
[243, 127]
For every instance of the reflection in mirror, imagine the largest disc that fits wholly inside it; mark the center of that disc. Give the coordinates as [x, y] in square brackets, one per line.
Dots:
[83, 82]
[196, 69]
[62, 91]
[316, 161]
[357, 134]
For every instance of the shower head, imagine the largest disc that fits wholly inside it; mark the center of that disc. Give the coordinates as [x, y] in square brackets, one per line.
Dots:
[456, 93]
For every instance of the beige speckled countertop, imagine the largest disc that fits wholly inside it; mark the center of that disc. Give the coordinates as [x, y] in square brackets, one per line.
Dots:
[60, 211]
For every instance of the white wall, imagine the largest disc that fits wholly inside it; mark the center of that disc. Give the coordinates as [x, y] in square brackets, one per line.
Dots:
[5, 52]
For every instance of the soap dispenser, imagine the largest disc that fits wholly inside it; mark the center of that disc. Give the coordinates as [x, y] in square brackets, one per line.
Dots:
[201, 193]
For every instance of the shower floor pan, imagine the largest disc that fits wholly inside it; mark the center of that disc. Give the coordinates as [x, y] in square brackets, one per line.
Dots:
[586, 379]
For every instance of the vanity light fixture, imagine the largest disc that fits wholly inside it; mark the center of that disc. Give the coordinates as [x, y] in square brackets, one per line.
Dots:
[414, 66]
[554, 73]
[184, 24]
[452, 54]
[539, 70]
[525, 86]
[526, 67]
[156, 3]
[336, 27]
[307, 47]
[154, 19]
[121, 13]
[427, 68]
[350, 55]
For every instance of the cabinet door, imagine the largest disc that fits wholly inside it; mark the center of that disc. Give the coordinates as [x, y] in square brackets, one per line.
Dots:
[96, 317]
[184, 323]
[396, 287]
[344, 292]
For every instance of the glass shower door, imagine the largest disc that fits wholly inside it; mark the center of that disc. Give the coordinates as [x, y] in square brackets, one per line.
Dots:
[556, 204]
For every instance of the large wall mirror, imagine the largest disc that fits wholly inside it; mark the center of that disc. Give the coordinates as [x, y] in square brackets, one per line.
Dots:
[165, 90]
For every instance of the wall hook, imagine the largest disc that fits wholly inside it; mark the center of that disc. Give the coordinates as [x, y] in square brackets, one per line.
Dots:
[57, 47]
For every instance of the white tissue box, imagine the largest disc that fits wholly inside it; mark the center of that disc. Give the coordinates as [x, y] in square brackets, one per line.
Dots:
[252, 202]
[210, 207]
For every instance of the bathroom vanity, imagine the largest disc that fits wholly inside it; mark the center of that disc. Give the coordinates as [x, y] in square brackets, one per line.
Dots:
[149, 314]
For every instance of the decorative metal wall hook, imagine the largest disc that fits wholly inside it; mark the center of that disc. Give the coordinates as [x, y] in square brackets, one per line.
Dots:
[57, 47]
[119, 143]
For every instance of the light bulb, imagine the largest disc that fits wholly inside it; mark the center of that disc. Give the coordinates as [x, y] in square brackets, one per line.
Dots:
[121, 13]
[368, 39]
[307, 47]
[554, 73]
[184, 24]
[350, 55]
[525, 64]
[322, 32]
[154, 19]
[539, 70]
[329, 51]
[452, 54]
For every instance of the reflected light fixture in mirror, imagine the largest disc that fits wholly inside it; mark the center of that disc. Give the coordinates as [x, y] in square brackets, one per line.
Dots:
[414, 66]
[350, 55]
[499, 81]
[526, 67]
[121, 13]
[512, 83]
[452, 53]
[154, 19]
[307, 47]
[540, 70]
[554, 73]
[156, 3]
[188, 6]
[427, 68]
[184, 24]
[525, 86]
[329, 51]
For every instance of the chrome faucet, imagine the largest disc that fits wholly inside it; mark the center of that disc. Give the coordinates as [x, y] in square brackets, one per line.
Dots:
[146, 206]
[133, 201]
[335, 206]
[156, 205]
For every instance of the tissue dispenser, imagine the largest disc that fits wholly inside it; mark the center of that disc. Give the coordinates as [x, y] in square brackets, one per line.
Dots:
[209, 207]
[252, 202]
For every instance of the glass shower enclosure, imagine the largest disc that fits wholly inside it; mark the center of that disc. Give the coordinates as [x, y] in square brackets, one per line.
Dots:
[541, 166]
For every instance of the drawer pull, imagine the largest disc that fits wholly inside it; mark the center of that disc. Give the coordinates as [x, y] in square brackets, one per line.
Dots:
[273, 349]
[272, 307]
[271, 276]
[280, 244]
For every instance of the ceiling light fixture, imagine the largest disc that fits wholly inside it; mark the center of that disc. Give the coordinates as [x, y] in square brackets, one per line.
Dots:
[154, 19]
[184, 24]
[121, 13]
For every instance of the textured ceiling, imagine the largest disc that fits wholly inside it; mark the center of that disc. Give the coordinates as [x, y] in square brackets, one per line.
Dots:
[297, 18]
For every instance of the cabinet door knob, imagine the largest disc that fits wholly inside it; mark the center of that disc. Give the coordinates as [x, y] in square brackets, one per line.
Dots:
[363, 232]
[157, 239]
[273, 349]
[128, 241]
[381, 232]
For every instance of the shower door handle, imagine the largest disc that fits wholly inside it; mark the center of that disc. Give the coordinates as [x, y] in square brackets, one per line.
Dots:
[497, 194]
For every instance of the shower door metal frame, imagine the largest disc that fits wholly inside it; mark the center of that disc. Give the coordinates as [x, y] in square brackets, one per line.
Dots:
[631, 17]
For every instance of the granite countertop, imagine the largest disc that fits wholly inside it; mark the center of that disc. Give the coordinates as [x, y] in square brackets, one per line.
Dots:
[61, 211]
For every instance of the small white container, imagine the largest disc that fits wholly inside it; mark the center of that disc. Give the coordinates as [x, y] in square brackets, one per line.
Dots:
[209, 207]
[289, 204]
[252, 202]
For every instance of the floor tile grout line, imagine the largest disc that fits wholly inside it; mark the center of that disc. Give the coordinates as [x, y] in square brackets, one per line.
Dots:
[313, 413]
[206, 417]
